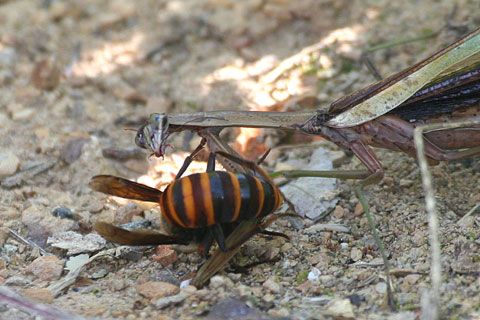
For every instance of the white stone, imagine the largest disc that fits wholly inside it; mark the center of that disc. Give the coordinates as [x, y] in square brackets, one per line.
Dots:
[9, 164]
[314, 274]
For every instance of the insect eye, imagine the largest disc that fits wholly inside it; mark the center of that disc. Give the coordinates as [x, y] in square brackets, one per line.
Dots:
[140, 140]
[164, 122]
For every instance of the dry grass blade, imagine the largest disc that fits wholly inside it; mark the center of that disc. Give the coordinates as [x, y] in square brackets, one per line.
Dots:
[59, 286]
[389, 298]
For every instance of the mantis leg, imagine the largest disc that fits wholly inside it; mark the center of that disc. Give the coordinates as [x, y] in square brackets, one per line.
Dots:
[211, 162]
[189, 159]
[400, 137]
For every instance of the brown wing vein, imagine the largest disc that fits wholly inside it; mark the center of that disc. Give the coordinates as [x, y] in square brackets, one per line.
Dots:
[139, 237]
[124, 188]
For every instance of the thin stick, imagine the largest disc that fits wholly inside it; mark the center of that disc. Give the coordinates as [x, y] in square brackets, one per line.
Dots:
[469, 213]
[59, 286]
[361, 198]
[432, 311]
[28, 242]
[35, 309]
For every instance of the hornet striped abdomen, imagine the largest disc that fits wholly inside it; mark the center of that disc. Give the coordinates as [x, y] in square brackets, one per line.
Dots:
[203, 206]
[209, 198]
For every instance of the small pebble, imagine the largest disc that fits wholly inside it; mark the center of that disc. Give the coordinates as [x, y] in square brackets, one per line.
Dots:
[77, 243]
[340, 309]
[96, 206]
[168, 301]
[9, 164]
[412, 278]
[282, 313]
[99, 274]
[10, 248]
[355, 299]
[358, 210]
[313, 260]
[388, 181]
[4, 273]
[17, 281]
[41, 133]
[4, 235]
[339, 212]
[286, 247]
[305, 286]
[406, 183]
[230, 308]
[42, 295]
[314, 274]
[157, 289]
[22, 114]
[356, 254]
[3, 263]
[272, 252]
[63, 213]
[4, 120]
[467, 222]
[337, 157]
[116, 284]
[202, 293]
[133, 255]
[324, 261]
[269, 297]
[95, 311]
[46, 268]
[418, 238]
[327, 280]
[473, 200]
[217, 282]
[46, 74]
[58, 10]
[8, 57]
[72, 150]
[41, 223]
[272, 285]
[186, 287]
[123, 154]
[165, 255]
[381, 287]
[6, 78]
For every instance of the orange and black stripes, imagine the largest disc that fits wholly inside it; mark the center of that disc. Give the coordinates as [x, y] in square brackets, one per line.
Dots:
[205, 199]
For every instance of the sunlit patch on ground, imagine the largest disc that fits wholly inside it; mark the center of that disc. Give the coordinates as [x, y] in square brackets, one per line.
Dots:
[108, 58]
[270, 85]
[163, 171]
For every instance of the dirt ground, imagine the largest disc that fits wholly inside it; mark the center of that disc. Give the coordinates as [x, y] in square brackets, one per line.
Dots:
[75, 74]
